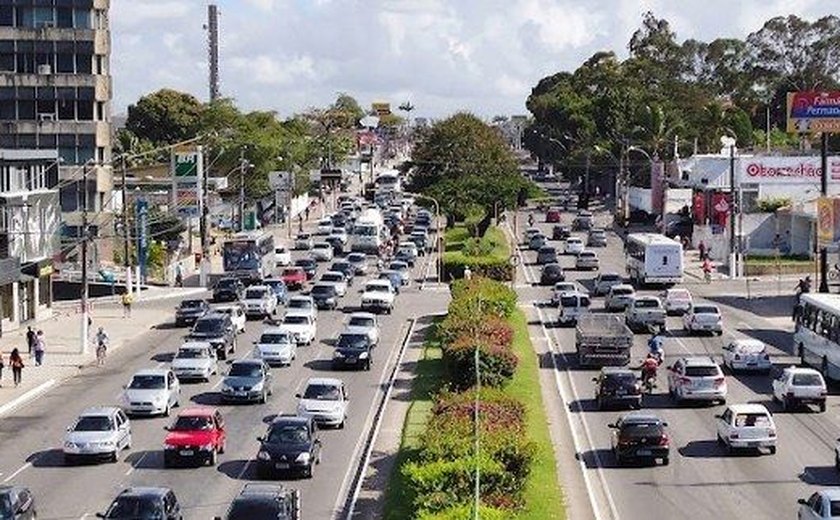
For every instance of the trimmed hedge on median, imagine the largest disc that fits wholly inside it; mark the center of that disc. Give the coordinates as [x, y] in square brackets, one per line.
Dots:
[487, 256]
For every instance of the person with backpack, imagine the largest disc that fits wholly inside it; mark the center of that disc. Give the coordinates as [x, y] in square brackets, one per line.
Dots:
[16, 362]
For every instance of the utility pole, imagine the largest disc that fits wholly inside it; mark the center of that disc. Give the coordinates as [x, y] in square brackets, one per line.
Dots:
[126, 234]
[824, 193]
[732, 253]
[242, 190]
[203, 230]
[84, 245]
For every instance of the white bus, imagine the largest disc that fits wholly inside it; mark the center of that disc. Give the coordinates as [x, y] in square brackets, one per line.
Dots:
[388, 182]
[653, 259]
[249, 254]
[816, 337]
[369, 232]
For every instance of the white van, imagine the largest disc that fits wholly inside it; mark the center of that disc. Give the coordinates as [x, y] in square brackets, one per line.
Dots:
[572, 305]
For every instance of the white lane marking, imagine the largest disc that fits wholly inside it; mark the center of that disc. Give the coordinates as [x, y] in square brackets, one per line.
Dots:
[341, 498]
[358, 488]
[132, 467]
[566, 401]
[30, 395]
[244, 469]
[18, 472]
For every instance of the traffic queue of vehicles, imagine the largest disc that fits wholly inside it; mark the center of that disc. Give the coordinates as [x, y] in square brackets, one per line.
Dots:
[604, 341]
[292, 442]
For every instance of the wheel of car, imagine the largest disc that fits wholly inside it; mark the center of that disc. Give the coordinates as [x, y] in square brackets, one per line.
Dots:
[114, 456]
[367, 365]
[822, 406]
[167, 410]
[618, 458]
[665, 461]
[212, 459]
[341, 424]
[310, 471]
[785, 404]
[223, 446]
[599, 404]
[772, 450]
[128, 443]
[262, 397]
[720, 440]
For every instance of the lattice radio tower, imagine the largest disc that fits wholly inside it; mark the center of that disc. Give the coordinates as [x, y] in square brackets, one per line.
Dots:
[213, 49]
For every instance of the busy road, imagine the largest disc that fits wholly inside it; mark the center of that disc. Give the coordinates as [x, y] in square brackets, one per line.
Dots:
[33, 436]
[702, 480]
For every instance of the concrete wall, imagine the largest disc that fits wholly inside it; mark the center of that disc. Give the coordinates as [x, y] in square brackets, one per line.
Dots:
[759, 229]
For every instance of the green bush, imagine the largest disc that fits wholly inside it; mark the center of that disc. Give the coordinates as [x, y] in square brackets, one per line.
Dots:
[497, 363]
[491, 296]
[495, 330]
[465, 512]
[477, 247]
[487, 266]
[771, 204]
[440, 483]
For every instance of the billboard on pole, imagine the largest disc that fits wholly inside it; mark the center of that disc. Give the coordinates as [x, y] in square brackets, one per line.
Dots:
[813, 112]
[187, 174]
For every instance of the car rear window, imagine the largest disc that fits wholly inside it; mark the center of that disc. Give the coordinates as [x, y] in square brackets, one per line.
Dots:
[610, 277]
[650, 429]
[619, 380]
[752, 419]
[701, 371]
[807, 380]
[587, 254]
[622, 292]
[647, 304]
[835, 508]
[568, 301]
[705, 309]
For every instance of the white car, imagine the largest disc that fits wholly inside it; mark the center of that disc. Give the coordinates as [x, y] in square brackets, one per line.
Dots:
[587, 260]
[302, 327]
[746, 426]
[195, 360]
[153, 391]
[340, 234]
[276, 347]
[796, 386]
[322, 252]
[573, 246]
[325, 400]
[364, 323]
[378, 295]
[746, 354]
[337, 279]
[98, 433]
[302, 304]
[619, 297]
[259, 300]
[703, 318]
[236, 313]
[677, 300]
[282, 256]
[822, 505]
[645, 311]
[604, 281]
[563, 287]
[696, 378]
[324, 226]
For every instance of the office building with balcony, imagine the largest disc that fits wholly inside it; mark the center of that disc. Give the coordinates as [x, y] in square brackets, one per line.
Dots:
[55, 94]
[29, 229]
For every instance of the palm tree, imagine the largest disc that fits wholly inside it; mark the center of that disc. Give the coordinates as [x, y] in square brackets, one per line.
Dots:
[657, 130]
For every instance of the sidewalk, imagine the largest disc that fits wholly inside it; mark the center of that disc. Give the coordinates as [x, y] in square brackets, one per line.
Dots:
[693, 268]
[62, 333]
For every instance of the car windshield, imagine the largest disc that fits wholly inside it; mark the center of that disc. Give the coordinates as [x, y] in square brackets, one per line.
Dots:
[564, 287]
[322, 245]
[613, 381]
[227, 283]
[245, 370]
[835, 508]
[323, 290]
[147, 382]
[186, 423]
[191, 353]
[807, 380]
[641, 429]
[356, 258]
[361, 321]
[622, 292]
[207, 326]
[274, 338]
[353, 341]
[135, 508]
[701, 371]
[305, 262]
[295, 320]
[553, 268]
[328, 277]
[297, 303]
[706, 309]
[191, 304]
[94, 423]
[249, 509]
[289, 433]
[574, 241]
[752, 419]
[648, 304]
[322, 392]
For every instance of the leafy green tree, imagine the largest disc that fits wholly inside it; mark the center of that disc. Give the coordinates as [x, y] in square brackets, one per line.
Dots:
[164, 117]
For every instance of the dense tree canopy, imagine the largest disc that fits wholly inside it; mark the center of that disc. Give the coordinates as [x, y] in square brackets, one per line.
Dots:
[164, 117]
[669, 96]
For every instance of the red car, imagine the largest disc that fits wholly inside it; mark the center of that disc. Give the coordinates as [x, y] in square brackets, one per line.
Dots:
[552, 216]
[294, 277]
[196, 437]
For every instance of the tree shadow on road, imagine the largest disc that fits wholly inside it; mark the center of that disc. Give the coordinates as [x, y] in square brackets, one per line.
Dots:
[239, 469]
[767, 306]
[52, 458]
[146, 459]
[207, 399]
[711, 449]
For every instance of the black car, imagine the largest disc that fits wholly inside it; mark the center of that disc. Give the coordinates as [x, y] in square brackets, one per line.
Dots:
[551, 274]
[347, 268]
[188, 311]
[546, 255]
[291, 444]
[324, 295]
[339, 220]
[617, 387]
[405, 256]
[309, 266]
[144, 502]
[560, 232]
[228, 290]
[353, 351]
[640, 436]
[259, 501]
[337, 245]
[218, 330]
[17, 503]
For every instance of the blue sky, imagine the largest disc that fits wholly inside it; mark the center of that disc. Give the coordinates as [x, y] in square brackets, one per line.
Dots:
[442, 55]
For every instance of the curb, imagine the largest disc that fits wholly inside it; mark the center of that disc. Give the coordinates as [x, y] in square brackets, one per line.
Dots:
[27, 396]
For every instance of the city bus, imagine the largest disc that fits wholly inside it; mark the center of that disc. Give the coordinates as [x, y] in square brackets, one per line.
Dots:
[249, 254]
[653, 259]
[388, 182]
[816, 337]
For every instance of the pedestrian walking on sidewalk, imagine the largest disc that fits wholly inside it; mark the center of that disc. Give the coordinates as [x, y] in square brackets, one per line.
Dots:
[307, 213]
[40, 347]
[101, 346]
[1, 369]
[30, 341]
[127, 299]
[179, 275]
[16, 362]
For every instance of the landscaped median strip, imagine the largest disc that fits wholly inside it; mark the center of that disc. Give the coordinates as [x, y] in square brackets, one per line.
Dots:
[432, 478]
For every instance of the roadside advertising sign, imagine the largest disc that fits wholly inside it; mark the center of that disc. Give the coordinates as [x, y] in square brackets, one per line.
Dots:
[813, 112]
[786, 170]
[187, 165]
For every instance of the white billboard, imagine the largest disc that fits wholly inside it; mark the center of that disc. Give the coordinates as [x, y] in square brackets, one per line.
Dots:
[786, 170]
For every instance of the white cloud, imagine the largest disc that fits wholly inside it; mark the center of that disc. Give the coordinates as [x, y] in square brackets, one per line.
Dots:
[266, 70]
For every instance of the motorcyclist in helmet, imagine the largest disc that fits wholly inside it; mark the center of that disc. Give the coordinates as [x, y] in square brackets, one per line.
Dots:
[649, 367]
[655, 346]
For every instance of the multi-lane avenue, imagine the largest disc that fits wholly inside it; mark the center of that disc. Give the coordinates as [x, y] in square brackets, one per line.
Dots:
[32, 436]
[702, 480]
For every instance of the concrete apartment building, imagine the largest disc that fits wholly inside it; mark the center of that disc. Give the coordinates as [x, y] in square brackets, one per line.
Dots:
[55, 94]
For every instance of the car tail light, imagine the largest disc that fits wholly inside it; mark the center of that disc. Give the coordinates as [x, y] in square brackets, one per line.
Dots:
[771, 432]
[623, 441]
[663, 441]
[719, 381]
